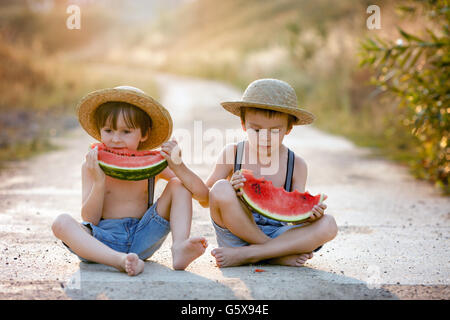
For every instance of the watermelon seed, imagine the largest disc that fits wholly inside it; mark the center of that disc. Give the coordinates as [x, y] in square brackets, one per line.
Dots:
[257, 188]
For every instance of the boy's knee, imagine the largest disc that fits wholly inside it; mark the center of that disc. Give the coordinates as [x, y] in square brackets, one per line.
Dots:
[175, 184]
[60, 224]
[221, 192]
[328, 227]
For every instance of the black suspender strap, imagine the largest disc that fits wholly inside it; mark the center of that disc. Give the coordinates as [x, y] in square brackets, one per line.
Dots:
[151, 187]
[238, 156]
[289, 171]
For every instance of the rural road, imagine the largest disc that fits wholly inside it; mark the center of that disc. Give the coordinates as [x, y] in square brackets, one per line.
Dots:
[393, 240]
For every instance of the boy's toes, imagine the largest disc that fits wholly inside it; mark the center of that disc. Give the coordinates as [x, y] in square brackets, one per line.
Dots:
[219, 261]
[133, 265]
[218, 256]
[130, 262]
[199, 241]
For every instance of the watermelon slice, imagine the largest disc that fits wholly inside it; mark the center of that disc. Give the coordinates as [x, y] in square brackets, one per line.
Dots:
[127, 164]
[277, 203]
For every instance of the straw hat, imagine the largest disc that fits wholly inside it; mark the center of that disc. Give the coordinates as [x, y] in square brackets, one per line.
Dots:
[161, 119]
[270, 94]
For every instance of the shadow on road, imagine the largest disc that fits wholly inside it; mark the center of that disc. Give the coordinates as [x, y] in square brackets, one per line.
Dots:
[303, 283]
[96, 281]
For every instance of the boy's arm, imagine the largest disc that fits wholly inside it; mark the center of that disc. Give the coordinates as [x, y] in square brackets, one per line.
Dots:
[93, 193]
[222, 169]
[177, 168]
[300, 174]
[299, 183]
[191, 181]
[166, 174]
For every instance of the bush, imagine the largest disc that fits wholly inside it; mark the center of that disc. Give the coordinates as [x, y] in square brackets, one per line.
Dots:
[415, 70]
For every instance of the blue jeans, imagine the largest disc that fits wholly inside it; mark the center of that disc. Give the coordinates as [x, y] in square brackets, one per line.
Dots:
[141, 236]
[272, 228]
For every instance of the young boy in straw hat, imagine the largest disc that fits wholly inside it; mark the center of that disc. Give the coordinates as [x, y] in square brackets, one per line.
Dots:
[268, 111]
[122, 226]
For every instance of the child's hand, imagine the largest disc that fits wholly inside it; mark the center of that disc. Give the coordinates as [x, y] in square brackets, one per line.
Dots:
[318, 211]
[92, 166]
[171, 151]
[237, 181]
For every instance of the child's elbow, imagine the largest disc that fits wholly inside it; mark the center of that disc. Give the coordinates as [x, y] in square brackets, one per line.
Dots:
[88, 218]
[203, 200]
[204, 204]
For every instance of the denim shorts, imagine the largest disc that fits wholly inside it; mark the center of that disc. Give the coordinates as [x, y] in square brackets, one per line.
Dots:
[141, 236]
[272, 228]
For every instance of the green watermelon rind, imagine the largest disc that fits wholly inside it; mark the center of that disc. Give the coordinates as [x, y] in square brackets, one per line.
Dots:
[297, 218]
[133, 174]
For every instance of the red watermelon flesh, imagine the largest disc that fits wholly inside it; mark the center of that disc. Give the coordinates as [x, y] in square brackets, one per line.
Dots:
[128, 164]
[277, 203]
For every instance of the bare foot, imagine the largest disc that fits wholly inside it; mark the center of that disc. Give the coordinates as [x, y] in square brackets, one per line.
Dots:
[132, 264]
[294, 260]
[187, 251]
[230, 257]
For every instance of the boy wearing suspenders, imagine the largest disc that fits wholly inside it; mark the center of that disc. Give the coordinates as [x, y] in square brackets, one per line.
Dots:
[268, 111]
[123, 224]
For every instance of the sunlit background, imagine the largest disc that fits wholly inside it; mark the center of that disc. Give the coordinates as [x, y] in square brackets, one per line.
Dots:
[323, 48]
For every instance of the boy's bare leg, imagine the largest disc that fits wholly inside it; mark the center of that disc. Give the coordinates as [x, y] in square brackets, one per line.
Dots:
[175, 205]
[302, 239]
[228, 212]
[293, 260]
[68, 230]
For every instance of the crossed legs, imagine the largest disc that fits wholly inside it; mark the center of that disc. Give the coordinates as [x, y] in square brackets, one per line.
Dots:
[174, 205]
[80, 241]
[292, 247]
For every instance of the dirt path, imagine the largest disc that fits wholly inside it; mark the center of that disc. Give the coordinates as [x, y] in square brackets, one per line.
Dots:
[393, 239]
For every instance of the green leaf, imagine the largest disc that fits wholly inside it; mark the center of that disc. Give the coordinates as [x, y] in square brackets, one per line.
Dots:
[382, 42]
[432, 35]
[415, 58]
[372, 45]
[406, 9]
[405, 58]
[386, 56]
[408, 36]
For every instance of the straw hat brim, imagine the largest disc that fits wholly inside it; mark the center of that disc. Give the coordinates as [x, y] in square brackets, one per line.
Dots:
[161, 119]
[303, 116]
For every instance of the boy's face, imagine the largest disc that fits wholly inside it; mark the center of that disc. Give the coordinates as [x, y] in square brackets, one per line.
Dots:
[264, 131]
[123, 136]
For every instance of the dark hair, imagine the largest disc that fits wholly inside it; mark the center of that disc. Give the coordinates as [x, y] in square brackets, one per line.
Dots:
[133, 116]
[268, 113]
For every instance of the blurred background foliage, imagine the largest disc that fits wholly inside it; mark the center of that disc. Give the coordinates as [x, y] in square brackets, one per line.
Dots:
[415, 70]
[37, 88]
[45, 68]
[395, 103]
